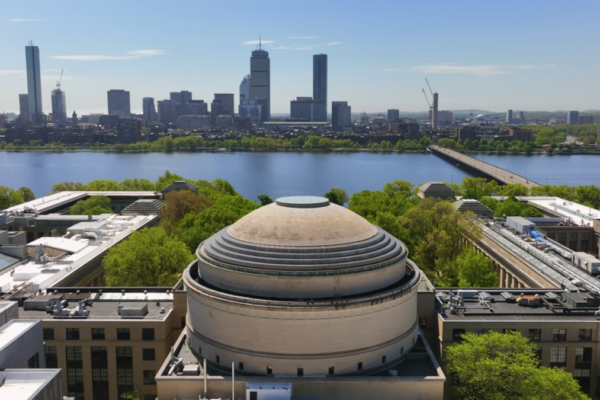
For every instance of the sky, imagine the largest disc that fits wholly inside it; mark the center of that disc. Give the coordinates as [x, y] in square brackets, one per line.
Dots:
[487, 55]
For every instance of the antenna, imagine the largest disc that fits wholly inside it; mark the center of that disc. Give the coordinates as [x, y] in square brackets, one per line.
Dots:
[59, 80]
[259, 42]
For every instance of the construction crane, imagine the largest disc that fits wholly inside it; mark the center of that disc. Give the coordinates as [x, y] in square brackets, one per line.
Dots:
[427, 98]
[429, 86]
[433, 107]
[59, 79]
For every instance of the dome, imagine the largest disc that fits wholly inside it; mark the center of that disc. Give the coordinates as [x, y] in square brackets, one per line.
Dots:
[302, 221]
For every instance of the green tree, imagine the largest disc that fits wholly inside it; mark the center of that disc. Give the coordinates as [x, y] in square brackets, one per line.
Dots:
[264, 199]
[10, 197]
[148, 257]
[67, 187]
[103, 185]
[93, 206]
[178, 204]
[136, 184]
[166, 179]
[27, 193]
[499, 366]
[474, 270]
[337, 196]
[513, 189]
[475, 188]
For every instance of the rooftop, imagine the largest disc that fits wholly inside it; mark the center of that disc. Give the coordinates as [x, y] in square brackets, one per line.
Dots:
[25, 383]
[12, 330]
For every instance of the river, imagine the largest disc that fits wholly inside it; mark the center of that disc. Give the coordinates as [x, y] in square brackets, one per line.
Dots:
[279, 173]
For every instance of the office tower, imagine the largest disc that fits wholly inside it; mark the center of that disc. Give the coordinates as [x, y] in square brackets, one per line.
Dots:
[306, 109]
[196, 107]
[227, 100]
[260, 81]
[573, 117]
[320, 77]
[245, 90]
[216, 109]
[59, 106]
[181, 99]
[34, 83]
[149, 110]
[118, 103]
[340, 114]
[393, 114]
[509, 117]
[248, 105]
[24, 115]
[167, 112]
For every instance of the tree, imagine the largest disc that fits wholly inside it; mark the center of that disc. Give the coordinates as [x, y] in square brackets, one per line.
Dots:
[504, 366]
[166, 179]
[66, 186]
[10, 197]
[337, 196]
[513, 189]
[148, 257]
[93, 206]
[475, 188]
[103, 185]
[474, 270]
[178, 203]
[264, 199]
[27, 193]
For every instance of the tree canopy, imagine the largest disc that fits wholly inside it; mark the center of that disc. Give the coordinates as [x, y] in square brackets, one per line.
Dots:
[93, 206]
[474, 270]
[337, 196]
[179, 203]
[10, 197]
[149, 257]
[499, 366]
[264, 199]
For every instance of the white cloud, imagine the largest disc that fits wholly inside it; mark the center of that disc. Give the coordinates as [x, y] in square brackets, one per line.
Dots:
[469, 69]
[303, 37]
[129, 56]
[296, 47]
[334, 43]
[12, 72]
[25, 20]
[255, 42]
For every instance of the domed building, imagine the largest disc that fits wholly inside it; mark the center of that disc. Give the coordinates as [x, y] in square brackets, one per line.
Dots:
[302, 287]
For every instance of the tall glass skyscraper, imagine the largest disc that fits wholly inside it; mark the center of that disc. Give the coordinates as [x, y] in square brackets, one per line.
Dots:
[320, 77]
[149, 110]
[34, 82]
[260, 81]
[59, 106]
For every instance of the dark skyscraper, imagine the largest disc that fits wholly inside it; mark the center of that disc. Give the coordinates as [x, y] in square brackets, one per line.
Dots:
[260, 81]
[59, 106]
[149, 110]
[119, 103]
[34, 82]
[341, 114]
[24, 114]
[320, 77]
[227, 100]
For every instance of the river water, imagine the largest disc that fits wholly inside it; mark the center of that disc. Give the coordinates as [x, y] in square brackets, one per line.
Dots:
[279, 173]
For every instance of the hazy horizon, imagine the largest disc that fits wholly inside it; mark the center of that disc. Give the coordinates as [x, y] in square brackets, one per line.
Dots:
[535, 55]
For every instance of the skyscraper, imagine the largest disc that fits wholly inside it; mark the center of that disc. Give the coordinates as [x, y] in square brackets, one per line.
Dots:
[393, 114]
[248, 105]
[59, 106]
[245, 90]
[509, 117]
[167, 112]
[34, 83]
[24, 115]
[181, 99]
[227, 100]
[118, 103]
[320, 77]
[260, 81]
[341, 114]
[149, 110]
[573, 117]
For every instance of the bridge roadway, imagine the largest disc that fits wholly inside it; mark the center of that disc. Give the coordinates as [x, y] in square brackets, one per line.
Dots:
[481, 168]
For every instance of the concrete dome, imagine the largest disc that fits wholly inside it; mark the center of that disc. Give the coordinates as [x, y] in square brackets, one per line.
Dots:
[287, 223]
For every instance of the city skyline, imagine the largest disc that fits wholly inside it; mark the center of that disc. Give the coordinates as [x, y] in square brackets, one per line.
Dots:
[515, 61]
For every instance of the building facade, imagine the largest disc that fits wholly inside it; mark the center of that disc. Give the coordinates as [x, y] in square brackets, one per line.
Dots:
[59, 106]
[34, 83]
[24, 115]
[149, 111]
[307, 109]
[393, 115]
[341, 114]
[196, 107]
[228, 102]
[320, 77]
[167, 112]
[260, 82]
[573, 117]
[119, 103]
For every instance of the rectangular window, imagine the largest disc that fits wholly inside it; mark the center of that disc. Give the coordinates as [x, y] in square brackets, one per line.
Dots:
[559, 335]
[125, 376]
[359, 366]
[583, 355]
[423, 322]
[331, 370]
[74, 376]
[241, 366]
[481, 331]
[73, 353]
[97, 333]
[558, 356]
[581, 373]
[48, 333]
[300, 372]
[72, 333]
[148, 354]
[217, 359]
[100, 374]
[51, 357]
[383, 359]
[585, 335]
[123, 334]
[99, 357]
[124, 358]
[149, 377]
[269, 371]
[535, 335]
[456, 334]
[147, 333]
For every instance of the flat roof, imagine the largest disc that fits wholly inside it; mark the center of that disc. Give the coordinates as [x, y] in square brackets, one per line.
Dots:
[577, 213]
[13, 329]
[25, 383]
[6, 261]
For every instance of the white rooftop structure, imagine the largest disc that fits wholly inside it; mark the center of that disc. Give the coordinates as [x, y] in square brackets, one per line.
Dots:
[30, 384]
[578, 214]
[12, 330]
[53, 259]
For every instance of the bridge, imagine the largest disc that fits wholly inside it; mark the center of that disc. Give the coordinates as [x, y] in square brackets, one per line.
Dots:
[480, 168]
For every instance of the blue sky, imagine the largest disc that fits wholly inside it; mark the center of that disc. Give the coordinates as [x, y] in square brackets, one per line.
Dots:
[494, 55]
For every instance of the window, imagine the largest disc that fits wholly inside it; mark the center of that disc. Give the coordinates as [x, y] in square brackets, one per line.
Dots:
[123, 334]
[124, 352]
[74, 376]
[383, 359]
[535, 335]
[73, 353]
[583, 355]
[481, 331]
[573, 241]
[124, 358]
[359, 366]
[401, 351]
[48, 333]
[148, 354]
[217, 359]
[72, 333]
[99, 357]
[125, 376]
[585, 335]
[558, 356]
[34, 361]
[149, 377]
[300, 372]
[331, 370]
[241, 366]
[97, 333]
[269, 371]
[51, 357]
[100, 374]
[559, 335]
[423, 322]
[456, 334]
[76, 395]
[562, 238]
[147, 333]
